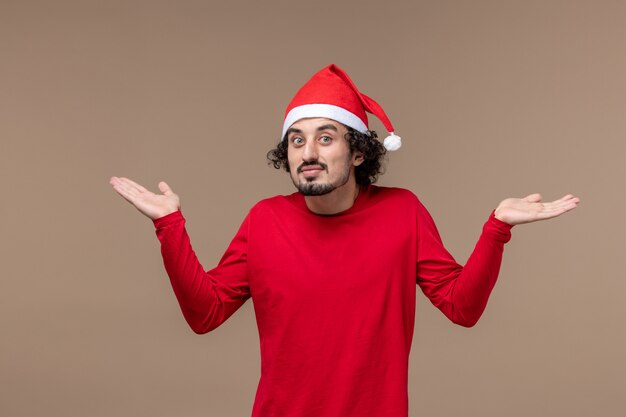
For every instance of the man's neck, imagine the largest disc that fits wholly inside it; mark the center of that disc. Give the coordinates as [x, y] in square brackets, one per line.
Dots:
[338, 200]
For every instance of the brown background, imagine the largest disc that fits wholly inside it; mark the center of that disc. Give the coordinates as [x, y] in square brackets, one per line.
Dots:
[494, 99]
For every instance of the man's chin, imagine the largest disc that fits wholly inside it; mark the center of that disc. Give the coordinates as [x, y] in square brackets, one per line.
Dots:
[314, 189]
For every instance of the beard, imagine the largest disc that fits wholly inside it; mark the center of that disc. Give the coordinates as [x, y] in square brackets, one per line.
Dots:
[312, 188]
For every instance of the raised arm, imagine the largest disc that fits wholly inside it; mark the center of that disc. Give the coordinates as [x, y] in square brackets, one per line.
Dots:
[462, 292]
[206, 298]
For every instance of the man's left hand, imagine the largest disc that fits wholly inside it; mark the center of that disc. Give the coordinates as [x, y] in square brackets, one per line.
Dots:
[530, 208]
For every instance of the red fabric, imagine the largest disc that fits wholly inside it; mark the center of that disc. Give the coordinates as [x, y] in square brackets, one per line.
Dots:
[330, 85]
[334, 296]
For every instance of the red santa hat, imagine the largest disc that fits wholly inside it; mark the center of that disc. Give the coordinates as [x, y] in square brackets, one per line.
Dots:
[331, 93]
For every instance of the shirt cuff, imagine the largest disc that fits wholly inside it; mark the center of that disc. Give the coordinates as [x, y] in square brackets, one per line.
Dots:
[498, 228]
[168, 219]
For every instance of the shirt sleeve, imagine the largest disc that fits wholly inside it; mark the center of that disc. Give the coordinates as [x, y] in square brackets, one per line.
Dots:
[206, 298]
[460, 292]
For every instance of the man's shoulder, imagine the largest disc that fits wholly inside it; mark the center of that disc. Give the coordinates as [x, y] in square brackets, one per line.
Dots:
[274, 203]
[398, 194]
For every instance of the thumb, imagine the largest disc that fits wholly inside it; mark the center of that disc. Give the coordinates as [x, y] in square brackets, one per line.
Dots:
[533, 198]
[165, 189]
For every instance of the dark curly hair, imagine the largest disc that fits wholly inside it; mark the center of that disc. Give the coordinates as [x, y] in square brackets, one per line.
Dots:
[372, 149]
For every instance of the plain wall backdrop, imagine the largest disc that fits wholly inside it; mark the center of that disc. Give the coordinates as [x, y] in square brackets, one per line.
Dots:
[493, 99]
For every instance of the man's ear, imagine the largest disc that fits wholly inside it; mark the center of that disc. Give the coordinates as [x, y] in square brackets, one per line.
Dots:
[358, 159]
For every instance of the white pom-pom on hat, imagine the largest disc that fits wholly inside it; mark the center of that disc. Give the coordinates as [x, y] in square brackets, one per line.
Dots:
[392, 142]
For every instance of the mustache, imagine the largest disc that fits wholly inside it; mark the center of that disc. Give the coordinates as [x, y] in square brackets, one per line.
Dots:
[309, 163]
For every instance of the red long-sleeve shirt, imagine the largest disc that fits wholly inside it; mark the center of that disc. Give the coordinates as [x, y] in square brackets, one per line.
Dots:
[334, 296]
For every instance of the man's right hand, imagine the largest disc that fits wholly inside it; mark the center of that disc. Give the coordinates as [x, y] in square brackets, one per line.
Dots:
[150, 204]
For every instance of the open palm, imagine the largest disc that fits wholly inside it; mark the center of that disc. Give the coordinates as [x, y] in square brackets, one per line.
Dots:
[150, 204]
[530, 208]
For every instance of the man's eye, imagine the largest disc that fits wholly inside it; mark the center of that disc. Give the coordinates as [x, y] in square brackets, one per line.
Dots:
[326, 139]
[297, 141]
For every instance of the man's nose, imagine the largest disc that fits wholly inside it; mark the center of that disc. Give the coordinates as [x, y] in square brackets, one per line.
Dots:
[310, 151]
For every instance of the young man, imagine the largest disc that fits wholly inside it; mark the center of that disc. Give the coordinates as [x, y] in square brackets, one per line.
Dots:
[332, 268]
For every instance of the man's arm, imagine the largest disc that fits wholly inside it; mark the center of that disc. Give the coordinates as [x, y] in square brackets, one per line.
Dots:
[206, 298]
[462, 292]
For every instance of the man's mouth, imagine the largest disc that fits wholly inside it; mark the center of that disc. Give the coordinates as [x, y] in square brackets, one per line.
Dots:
[311, 168]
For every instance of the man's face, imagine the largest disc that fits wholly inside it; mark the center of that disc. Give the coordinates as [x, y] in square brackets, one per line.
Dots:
[319, 156]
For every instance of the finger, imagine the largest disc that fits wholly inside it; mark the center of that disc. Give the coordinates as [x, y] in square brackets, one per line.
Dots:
[556, 206]
[125, 190]
[555, 212]
[126, 195]
[165, 189]
[571, 198]
[122, 183]
[132, 183]
[563, 202]
[115, 181]
[566, 197]
[556, 209]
